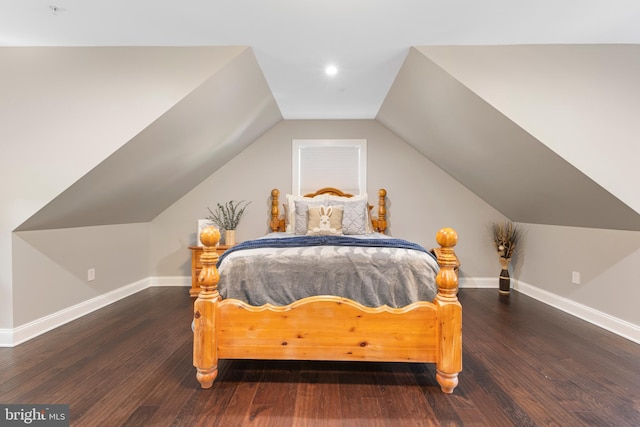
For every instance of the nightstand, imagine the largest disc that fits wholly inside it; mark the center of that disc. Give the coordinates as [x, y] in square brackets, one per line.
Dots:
[196, 251]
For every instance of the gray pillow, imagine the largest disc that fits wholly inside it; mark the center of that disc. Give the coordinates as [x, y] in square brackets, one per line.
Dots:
[354, 216]
[302, 212]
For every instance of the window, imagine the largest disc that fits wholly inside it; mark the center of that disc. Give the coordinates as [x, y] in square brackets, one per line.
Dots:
[339, 163]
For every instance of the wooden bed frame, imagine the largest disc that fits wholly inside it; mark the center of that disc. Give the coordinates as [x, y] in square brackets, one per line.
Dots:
[329, 327]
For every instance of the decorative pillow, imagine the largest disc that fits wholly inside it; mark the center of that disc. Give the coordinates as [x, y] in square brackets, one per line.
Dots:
[325, 220]
[301, 213]
[290, 211]
[357, 217]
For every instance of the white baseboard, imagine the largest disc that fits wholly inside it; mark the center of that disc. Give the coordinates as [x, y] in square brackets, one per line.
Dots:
[44, 324]
[13, 337]
[478, 282]
[6, 338]
[593, 316]
[170, 281]
[612, 324]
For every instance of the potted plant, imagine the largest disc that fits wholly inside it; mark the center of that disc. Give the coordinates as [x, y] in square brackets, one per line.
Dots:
[227, 217]
[506, 236]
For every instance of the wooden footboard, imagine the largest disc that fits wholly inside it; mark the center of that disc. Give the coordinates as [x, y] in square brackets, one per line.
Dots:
[330, 328]
[327, 328]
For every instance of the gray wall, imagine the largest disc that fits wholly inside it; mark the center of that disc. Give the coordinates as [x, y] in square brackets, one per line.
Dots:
[581, 101]
[421, 197]
[500, 160]
[64, 110]
[50, 266]
[92, 89]
[607, 261]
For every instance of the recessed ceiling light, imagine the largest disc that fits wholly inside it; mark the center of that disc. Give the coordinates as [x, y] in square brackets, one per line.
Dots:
[331, 70]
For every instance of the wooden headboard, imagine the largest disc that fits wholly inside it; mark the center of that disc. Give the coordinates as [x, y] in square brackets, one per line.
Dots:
[379, 223]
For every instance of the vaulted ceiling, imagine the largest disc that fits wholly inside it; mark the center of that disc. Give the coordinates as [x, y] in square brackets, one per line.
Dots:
[293, 41]
[529, 126]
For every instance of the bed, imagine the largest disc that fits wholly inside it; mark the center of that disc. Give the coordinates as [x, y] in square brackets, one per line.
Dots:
[247, 308]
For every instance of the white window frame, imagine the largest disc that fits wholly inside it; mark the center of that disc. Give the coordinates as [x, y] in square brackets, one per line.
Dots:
[349, 185]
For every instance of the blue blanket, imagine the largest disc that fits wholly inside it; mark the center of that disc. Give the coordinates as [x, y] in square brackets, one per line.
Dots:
[301, 241]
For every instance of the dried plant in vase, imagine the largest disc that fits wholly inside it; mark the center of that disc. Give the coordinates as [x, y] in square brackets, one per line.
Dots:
[506, 236]
[227, 217]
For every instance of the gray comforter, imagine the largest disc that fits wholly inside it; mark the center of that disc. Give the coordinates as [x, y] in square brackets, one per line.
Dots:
[373, 275]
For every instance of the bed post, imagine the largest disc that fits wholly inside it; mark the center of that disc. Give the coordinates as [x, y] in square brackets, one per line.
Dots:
[382, 211]
[449, 362]
[275, 211]
[205, 352]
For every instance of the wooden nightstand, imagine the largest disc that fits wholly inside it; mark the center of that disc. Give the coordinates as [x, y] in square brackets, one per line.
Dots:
[196, 251]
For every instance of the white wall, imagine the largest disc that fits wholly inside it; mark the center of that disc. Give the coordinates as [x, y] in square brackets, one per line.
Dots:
[421, 197]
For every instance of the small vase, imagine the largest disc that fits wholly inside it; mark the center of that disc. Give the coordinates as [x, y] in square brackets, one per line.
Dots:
[230, 237]
[505, 280]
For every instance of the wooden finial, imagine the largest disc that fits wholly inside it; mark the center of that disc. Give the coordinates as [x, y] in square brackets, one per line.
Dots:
[447, 237]
[447, 278]
[210, 236]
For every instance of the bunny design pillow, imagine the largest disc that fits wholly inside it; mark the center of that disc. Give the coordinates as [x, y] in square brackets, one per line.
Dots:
[324, 221]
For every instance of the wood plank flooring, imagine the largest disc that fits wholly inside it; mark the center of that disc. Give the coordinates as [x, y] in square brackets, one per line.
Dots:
[524, 364]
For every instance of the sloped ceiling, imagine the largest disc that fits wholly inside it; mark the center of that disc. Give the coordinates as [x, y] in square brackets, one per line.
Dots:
[461, 108]
[581, 101]
[462, 119]
[171, 155]
[499, 160]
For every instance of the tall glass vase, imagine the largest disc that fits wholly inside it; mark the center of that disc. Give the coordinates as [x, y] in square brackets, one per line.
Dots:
[505, 280]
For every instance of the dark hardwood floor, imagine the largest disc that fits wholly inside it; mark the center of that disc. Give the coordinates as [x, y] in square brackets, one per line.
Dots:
[524, 364]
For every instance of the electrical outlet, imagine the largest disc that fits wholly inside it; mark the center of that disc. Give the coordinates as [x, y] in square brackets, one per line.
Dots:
[91, 274]
[575, 278]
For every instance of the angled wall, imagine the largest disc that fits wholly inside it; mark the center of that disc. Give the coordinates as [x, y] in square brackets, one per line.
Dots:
[581, 101]
[107, 137]
[175, 152]
[607, 261]
[492, 155]
[503, 121]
